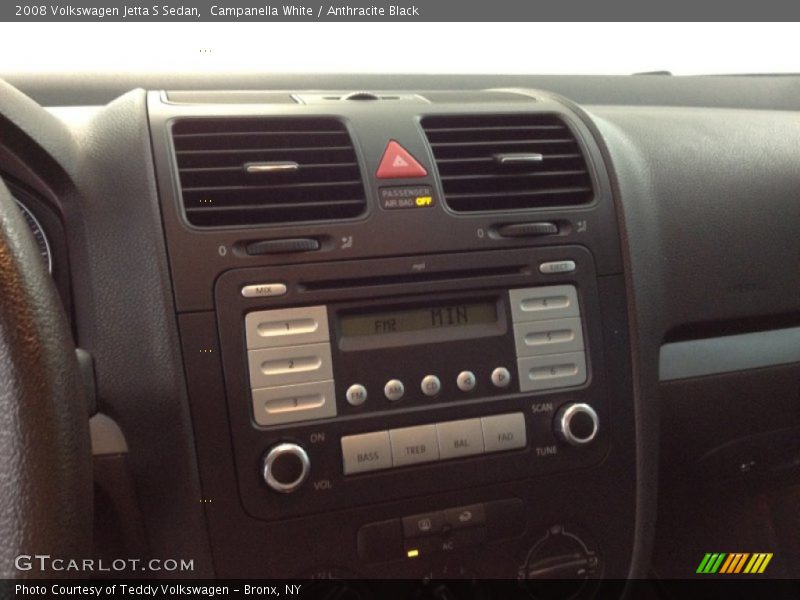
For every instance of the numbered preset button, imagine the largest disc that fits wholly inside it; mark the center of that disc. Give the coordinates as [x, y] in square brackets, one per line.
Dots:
[293, 364]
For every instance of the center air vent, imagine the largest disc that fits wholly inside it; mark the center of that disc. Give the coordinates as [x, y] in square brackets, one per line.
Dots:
[508, 162]
[258, 171]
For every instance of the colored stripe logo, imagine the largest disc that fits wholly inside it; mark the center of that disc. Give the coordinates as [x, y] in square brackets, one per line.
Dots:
[734, 563]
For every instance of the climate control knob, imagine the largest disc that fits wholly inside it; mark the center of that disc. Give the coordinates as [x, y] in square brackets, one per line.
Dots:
[286, 467]
[576, 423]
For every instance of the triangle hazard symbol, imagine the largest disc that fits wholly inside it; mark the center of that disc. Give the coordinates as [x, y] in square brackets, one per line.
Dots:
[397, 163]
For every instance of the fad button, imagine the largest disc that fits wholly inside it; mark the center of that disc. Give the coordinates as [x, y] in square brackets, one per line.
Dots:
[397, 163]
[503, 432]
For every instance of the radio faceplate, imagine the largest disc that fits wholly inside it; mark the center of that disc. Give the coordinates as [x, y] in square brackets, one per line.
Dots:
[400, 323]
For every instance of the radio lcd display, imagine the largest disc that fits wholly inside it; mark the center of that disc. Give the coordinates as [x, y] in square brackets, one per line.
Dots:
[418, 319]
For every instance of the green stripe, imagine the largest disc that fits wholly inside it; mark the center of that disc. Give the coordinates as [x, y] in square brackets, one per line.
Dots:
[703, 563]
[718, 563]
[711, 562]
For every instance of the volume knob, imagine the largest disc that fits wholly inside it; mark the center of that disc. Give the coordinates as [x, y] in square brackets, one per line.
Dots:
[576, 423]
[286, 467]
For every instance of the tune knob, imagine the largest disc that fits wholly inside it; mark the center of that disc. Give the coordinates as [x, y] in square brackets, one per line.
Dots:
[286, 467]
[576, 423]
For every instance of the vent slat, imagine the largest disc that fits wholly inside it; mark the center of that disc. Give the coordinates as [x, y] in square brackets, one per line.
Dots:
[495, 176]
[258, 188]
[217, 191]
[287, 206]
[524, 193]
[465, 148]
[506, 142]
[430, 130]
[233, 134]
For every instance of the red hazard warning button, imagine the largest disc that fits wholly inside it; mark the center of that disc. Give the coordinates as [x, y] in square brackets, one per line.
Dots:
[397, 163]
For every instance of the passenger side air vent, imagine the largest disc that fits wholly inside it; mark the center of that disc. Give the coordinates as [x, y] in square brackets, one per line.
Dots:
[508, 162]
[259, 171]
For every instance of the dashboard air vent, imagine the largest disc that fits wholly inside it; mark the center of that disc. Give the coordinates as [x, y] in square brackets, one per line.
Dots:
[261, 171]
[508, 162]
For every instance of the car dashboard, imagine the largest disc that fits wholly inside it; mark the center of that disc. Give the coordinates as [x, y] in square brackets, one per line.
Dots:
[476, 328]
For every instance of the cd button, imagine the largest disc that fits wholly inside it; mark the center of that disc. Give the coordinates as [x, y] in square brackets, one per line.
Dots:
[466, 381]
[431, 385]
[356, 394]
[501, 377]
[394, 390]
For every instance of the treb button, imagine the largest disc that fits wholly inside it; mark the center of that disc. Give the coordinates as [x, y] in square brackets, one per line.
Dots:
[412, 445]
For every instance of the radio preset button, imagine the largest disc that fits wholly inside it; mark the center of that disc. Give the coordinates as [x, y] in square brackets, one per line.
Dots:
[542, 303]
[293, 403]
[557, 336]
[501, 377]
[394, 390]
[366, 452]
[286, 327]
[552, 371]
[412, 445]
[431, 385]
[466, 381]
[504, 432]
[356, 394]
[291, 364]
[460, 438]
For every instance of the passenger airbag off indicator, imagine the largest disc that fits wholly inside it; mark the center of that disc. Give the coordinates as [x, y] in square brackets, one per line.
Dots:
[407, 196]
[397, 163]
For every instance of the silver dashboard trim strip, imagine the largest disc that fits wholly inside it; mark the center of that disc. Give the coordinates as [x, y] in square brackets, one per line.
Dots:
[712, 356]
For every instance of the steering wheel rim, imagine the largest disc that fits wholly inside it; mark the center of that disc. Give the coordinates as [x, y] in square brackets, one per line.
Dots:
[45, 456]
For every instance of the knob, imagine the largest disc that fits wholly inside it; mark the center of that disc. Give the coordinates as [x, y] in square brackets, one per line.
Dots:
[286, 467]
[576, 423]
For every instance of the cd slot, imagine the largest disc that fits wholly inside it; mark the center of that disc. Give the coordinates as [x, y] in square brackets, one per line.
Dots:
[494, 272]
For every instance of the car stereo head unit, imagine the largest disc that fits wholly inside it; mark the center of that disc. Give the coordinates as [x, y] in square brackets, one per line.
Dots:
[353, 382]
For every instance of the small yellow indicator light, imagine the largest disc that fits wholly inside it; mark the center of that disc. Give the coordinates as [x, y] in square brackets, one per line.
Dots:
[413, 553]
[424, 200]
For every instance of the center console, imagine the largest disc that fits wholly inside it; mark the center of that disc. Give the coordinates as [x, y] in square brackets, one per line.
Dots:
[404, 328]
